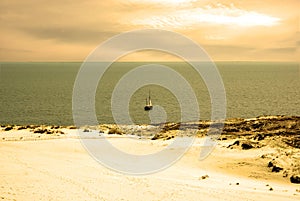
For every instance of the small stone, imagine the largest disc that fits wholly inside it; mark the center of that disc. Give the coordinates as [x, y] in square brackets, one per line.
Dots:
[295, 179]
[21, 127]
[71, 127]
[276, 169]
[204, 177]
[8, 128]
[270, 164]
[247, 146]
[49, 132]
[259, 137]
[115, 131]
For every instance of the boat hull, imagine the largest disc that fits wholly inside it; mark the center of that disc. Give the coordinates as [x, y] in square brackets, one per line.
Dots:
[148, 107]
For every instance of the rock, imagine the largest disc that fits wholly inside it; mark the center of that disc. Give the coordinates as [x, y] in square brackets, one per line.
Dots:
[204, 177]
[54, 127]
[247, 129]
[276, 169]
[270, 164]
[244, 145]
[71, 127]
[38, 131]
[8, 128]
[169, 137]
[156, 137]
[60, 132]
[231, 129]
[285, 174]
[293, 141]
[259, 137]
[21, 127]
[41, 131]
[295, 179]
[171, 126]
[257, 125]
[115, 131]
[247, 145]
[86, 130]
[32, 126]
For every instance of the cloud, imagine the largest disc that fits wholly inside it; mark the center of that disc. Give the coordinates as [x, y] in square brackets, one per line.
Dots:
[283, 50]
[164, 2]
[69, 30]
[68, 34]
[15, 50]
[229, 47]
[219, 14]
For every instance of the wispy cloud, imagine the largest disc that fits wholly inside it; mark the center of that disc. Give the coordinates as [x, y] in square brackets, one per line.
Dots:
[218, 14]
[71, 35]
[70, 29]
[164, 2]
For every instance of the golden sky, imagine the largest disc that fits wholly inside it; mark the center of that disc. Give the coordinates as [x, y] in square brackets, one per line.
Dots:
[68, 30]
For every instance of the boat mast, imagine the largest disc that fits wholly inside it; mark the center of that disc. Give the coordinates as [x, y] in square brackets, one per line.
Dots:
[150, 103]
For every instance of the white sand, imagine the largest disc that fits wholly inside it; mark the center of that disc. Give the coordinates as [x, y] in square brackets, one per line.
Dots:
[61, 169]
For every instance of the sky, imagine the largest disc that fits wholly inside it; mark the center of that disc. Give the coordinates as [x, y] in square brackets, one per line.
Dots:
[228, 30]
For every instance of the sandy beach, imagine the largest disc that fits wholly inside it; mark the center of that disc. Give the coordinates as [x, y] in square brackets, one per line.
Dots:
[56, 167]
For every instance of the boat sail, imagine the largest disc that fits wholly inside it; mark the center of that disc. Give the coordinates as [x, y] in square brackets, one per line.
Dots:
[148, 105]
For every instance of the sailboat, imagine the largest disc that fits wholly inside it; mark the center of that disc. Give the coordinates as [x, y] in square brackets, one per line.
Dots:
[148, 105]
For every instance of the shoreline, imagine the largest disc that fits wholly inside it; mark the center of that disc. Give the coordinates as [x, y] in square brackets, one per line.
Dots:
[158, 124]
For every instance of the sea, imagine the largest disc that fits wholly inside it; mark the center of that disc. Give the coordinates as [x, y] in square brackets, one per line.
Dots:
[41, 92]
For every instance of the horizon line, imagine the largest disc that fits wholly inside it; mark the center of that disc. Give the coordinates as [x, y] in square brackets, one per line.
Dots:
[146, 61]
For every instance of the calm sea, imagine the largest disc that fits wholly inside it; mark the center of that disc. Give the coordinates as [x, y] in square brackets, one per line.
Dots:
[41, 93]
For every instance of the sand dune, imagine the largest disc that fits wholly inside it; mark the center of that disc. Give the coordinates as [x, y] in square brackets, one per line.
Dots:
[59, 168]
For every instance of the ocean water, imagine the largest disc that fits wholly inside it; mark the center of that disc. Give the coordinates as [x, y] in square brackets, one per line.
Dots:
[41, 93]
